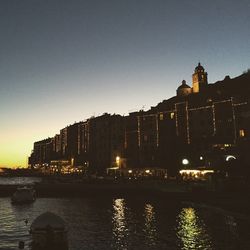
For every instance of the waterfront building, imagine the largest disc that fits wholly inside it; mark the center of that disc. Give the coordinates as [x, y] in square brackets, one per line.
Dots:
[203, 124]
[57, 147]
[83, 144]
[132, 139]
[106, 142]
[42, 153]
[191, 124]
[71, 143]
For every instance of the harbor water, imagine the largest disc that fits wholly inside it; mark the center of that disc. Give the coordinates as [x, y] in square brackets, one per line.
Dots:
[19, 180]
[127, 223]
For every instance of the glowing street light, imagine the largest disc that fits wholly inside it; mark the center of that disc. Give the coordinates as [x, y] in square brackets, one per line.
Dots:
[117, 160]
[230, 157]
[185, 161]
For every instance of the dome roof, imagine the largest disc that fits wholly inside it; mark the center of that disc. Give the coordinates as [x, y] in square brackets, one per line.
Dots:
[199, 67]
[45, 220]
[184, 85]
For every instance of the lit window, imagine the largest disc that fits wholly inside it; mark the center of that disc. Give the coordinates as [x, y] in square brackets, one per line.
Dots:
[172, 115]
[161, 116]
[242, 133]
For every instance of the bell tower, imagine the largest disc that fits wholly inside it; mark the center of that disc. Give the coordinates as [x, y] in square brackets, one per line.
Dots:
[199, 79]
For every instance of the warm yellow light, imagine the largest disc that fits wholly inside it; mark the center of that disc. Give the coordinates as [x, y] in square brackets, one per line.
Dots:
[242, 133]
[195, 171]
[147, 171]
[117, 159]
[189, 171]
[191, 231]
[207, 171]
[130, 171]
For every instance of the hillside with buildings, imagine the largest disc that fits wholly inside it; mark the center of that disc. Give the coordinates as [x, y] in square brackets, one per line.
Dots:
[204, 123]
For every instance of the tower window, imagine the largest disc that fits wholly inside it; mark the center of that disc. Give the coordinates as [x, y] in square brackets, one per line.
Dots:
[242, 133]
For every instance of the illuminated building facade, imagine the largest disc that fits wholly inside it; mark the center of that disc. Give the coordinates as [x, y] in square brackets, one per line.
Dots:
[94, 145]
[70, 143]
[191, 124]
[195, 122]
[57, 146]
[199, 78]
[42, 152]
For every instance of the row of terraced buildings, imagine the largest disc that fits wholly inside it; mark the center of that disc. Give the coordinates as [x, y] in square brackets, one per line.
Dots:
[203, 123]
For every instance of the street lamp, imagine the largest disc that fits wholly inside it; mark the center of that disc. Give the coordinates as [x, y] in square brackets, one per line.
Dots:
[117, 160]
[230, 157]
[185, 161]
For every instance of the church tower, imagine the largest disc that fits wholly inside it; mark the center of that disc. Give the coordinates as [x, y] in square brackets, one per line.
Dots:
[199, 79]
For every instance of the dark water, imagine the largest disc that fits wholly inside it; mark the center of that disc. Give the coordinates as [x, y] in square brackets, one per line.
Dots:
[127, 223]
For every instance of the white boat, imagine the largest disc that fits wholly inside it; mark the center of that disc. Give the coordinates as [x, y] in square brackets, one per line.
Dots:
[49, 232]
[24, 195]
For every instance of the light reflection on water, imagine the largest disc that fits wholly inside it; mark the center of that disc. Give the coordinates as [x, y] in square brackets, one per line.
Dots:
[125, 223]
[128, 226]
[191, 231]
[120, 229]
[150, 229]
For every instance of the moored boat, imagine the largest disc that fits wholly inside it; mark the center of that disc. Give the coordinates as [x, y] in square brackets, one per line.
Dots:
[24, 195]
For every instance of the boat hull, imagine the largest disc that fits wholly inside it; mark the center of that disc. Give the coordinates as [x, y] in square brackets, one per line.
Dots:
[23, 196]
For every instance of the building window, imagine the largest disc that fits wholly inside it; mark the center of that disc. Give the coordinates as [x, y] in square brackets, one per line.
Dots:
[242, 133]
[161, 117]
[172, 115]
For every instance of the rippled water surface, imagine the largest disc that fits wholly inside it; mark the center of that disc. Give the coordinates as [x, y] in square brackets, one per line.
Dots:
[18, 180]
[127, 223]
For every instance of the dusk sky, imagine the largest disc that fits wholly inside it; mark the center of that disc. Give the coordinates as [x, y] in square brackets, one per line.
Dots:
[65, 61]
